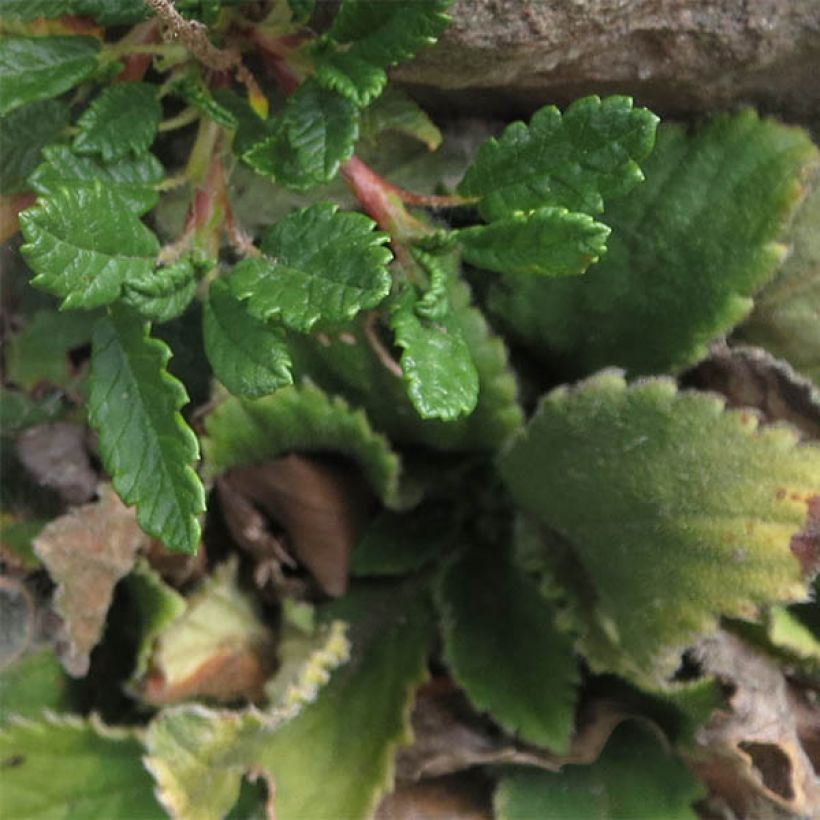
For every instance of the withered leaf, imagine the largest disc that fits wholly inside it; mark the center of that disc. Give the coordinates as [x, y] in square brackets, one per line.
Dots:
[56, 456]
[463, 796]
[321, 504]
[86, 552]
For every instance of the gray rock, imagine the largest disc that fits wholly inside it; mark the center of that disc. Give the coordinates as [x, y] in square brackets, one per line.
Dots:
[677, 56]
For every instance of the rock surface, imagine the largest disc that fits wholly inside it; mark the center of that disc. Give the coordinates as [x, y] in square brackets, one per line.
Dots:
[677, 56]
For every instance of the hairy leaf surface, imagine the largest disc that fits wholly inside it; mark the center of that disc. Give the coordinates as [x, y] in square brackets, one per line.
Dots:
[649, 490]
[146, 446]
[574, 161]
[298, 419]
[133, 179]
[545, 242]
[123, 119]
[105, 777]
[248, 356]
[634, 777]
[83, 243]
[38, 68]
[163, 293]
[23, 135]
[688, 250]
[503, 648]
[321, 263]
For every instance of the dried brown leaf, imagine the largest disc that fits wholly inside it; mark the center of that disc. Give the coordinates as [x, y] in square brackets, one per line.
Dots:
[320, 504]
[752, 755]
[176, 568]
[464, 796]
[86, 552]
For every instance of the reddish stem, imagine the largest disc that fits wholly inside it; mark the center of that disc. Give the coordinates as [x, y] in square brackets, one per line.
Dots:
[137, 64]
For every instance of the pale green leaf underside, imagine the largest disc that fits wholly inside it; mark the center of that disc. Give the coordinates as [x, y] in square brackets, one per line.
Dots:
[321, 264]
[575, 161]
[84, 243]
[123, 119]
[146, 446]
[634, 777]
[163, 293]
[23, 135]
[544, 242]
[529, 688]
[688, 249]
[248, 356]
[388, 33]
[441, 377]
[786, 316]
[298, 419]
[74, 769]
[31, 684]
[38, 68]
[345, 740]
[132, 179]
[395, 111]
[650, 490]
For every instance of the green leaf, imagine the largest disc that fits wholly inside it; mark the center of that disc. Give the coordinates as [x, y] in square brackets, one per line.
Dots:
[162, 294]
[106, 12]
[74, 769]
[83, 243]
[193, 90]
[39, 352]
[123, 119]
[398, 544]
[134, 180]
[786, 316]
[575, 161]
[345, 740]
[545, 242]
[147, 448]
[32, 684]
[18, 411]
[351, 367]
[395, 111]
[321, 263]
[687, 251]
[301, 9]
[648, 490]
[298, 419]
[248, 356]
[23, 135]
[388, 33]
[529, 688]
[38, 68]
[354, 78]
[315, 135]
[251, 129]
[634, 777]
[441, 377]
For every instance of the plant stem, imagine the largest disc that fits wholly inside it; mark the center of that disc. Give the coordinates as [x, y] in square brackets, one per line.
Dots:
[185, 117]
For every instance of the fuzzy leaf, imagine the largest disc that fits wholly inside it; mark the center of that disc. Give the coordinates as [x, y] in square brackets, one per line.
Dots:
[298, 419]
[395, 111]
[786, 316]
[86, 552]
[398, 544]
[486, 603]
[441, 377]
[315, 135]
[344, 740]
[388, 33]
[248, 356]
[83, 243]
[23, 135]
[123, 119]
[39, 352]
[546, 242]
[574, 161]
[322, 264]
[355, 371]
[354, 78]
[163, 293]
[634, 777]
[132, 179]
[38, 68]
[146, 446]
[679, 486]
[73, 769]
[688, 249]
